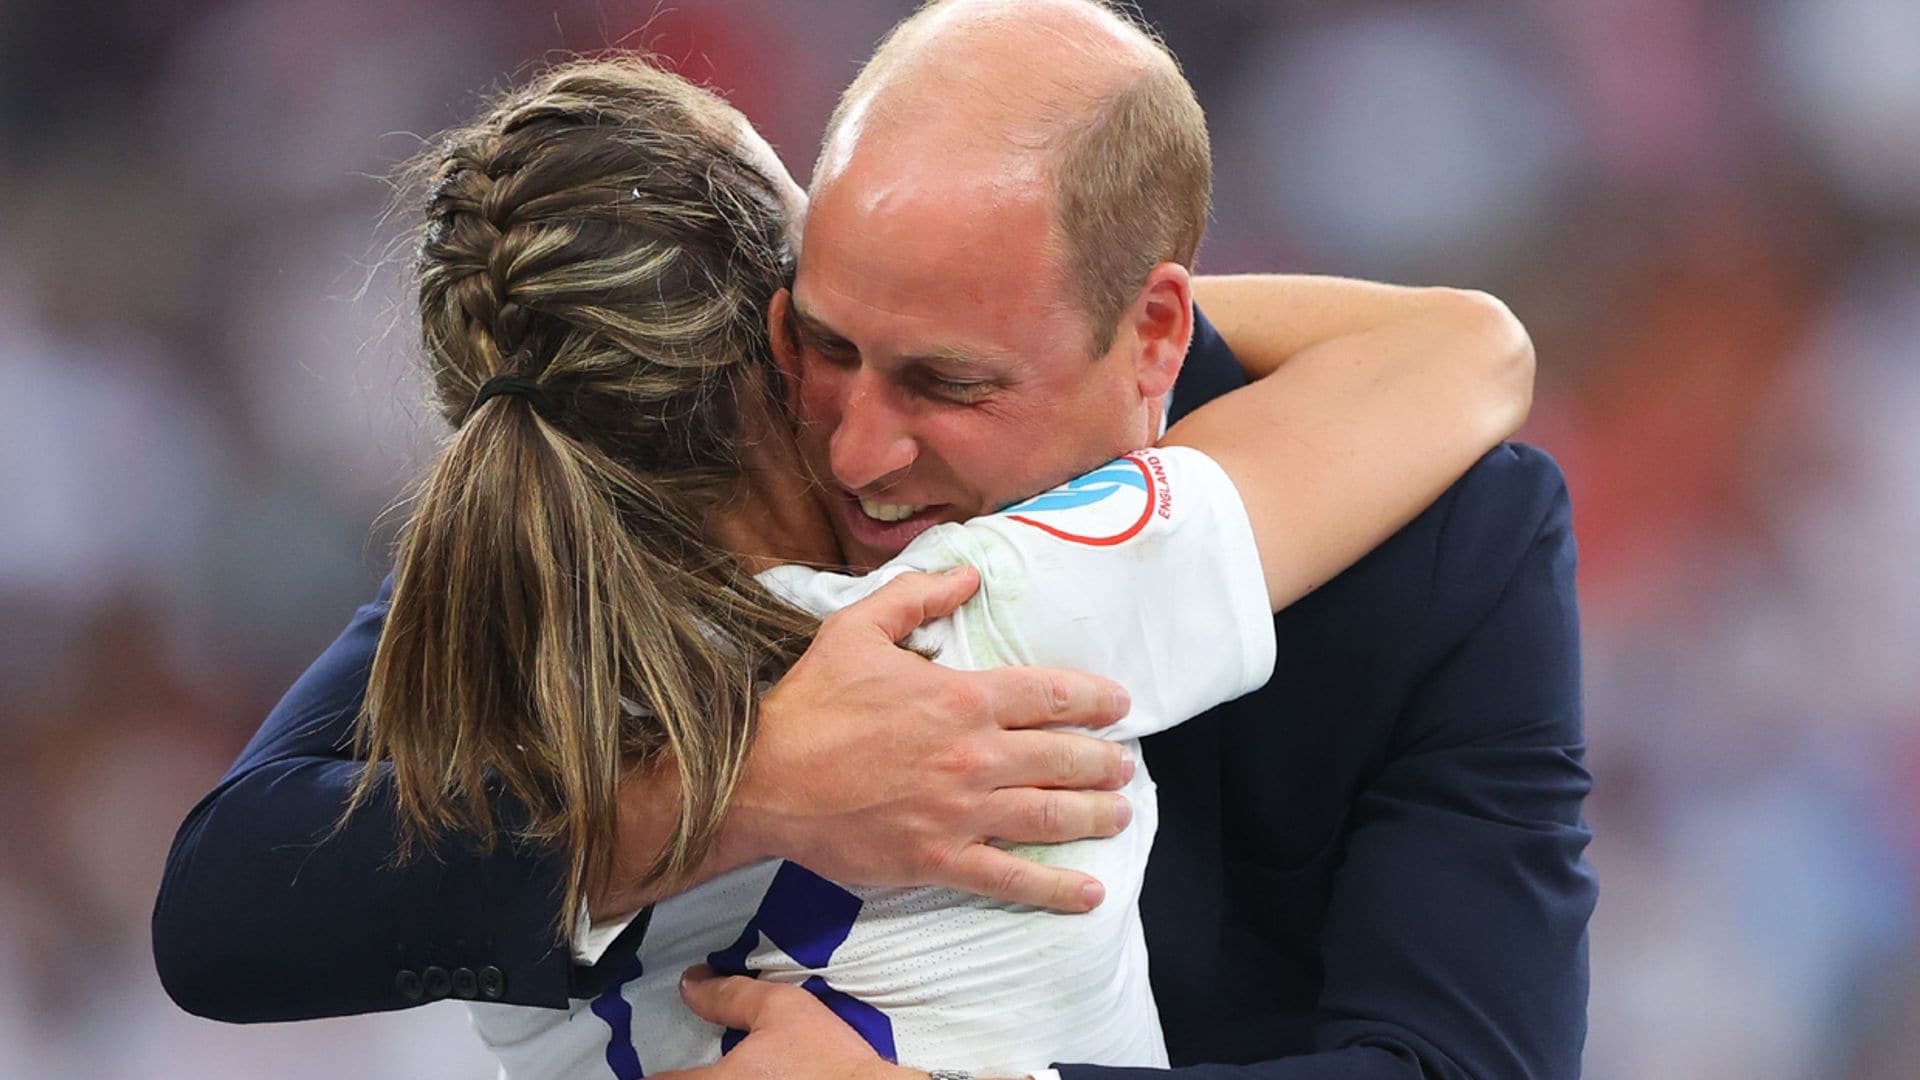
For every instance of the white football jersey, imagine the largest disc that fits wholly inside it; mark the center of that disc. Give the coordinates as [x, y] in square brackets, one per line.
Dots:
[1144, 571]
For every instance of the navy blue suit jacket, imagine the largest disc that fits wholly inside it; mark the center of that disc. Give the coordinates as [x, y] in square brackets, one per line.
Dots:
[1372, 867]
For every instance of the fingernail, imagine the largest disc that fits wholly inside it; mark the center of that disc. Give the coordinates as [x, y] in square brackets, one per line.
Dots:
[1122, 704]
[1122, 813]
[698, 973]
[1092, 893]
[1127, 765]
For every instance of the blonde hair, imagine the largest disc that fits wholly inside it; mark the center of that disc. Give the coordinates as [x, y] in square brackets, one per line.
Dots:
[1132, 170]
[560, 617]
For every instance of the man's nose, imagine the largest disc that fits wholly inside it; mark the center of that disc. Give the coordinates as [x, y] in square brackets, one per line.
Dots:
[872, 444]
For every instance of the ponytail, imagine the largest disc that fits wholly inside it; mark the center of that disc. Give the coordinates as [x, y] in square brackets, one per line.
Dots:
[593, 276]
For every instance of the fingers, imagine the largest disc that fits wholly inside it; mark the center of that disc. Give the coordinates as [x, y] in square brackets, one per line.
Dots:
[733, 1001]
[1059, 759]
[902, 604]
[1029, 816]
[1053, 697]
[999, 875]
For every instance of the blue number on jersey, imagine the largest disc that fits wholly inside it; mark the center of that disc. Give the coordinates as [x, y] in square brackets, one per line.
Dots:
[807, 917]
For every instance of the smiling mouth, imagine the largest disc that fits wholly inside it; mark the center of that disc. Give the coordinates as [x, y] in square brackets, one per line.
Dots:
[889, 512]
[888, 526]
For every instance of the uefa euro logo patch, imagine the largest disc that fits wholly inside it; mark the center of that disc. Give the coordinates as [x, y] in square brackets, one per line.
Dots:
[1107, 506]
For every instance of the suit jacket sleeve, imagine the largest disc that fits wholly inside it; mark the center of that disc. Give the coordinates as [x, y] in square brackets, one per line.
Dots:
[265, 914]
[1455, 940]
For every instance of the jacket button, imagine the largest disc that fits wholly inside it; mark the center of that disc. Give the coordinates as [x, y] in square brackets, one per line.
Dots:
[408, 983]
[464, 984]
[435, 982]
[493, 983]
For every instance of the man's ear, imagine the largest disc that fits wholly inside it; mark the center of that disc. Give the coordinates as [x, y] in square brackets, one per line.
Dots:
[1162, 321]
[782, 335]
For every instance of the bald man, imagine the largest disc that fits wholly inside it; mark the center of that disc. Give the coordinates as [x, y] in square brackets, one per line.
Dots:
[1376, 868]
[1370, 867]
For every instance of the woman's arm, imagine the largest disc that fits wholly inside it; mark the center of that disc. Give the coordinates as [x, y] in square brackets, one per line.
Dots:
[1368, 401]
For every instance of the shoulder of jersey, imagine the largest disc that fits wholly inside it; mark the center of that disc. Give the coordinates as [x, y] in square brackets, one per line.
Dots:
[1106, 507]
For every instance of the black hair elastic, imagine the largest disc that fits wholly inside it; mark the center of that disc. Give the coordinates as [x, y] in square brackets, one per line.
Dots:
[518, 386]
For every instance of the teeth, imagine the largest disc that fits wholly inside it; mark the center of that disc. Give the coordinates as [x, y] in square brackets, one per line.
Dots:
[880, 511]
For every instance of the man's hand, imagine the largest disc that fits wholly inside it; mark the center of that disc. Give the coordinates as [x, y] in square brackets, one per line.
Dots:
[874, 766]
[789, 1033]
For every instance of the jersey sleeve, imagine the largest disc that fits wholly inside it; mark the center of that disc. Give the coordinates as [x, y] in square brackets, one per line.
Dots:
[1144, 570]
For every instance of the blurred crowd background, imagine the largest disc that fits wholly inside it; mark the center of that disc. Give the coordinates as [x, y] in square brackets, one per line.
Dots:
[1708, 212]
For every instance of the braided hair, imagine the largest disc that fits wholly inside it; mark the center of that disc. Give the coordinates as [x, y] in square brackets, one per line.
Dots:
[594, 246]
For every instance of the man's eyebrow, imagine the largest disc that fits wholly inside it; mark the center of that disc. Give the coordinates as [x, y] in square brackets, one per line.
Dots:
[813, 326]
[959, 361]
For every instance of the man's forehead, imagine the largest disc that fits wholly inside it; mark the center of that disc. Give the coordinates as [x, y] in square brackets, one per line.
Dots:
[915, 226]
[918, 255]
[917, 170]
